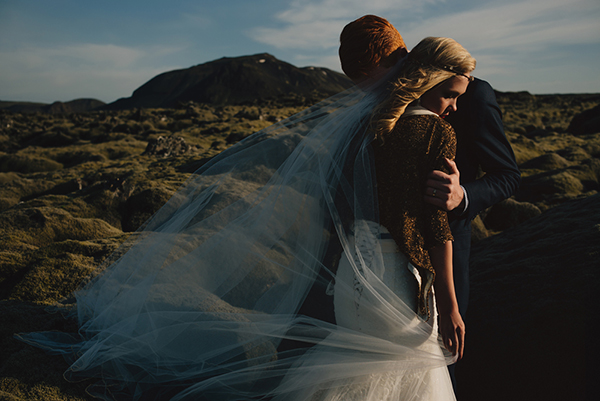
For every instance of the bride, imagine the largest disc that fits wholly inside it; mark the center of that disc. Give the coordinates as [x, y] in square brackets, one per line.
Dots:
[197, 302]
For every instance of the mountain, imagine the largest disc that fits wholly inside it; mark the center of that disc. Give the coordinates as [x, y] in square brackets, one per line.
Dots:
[258, 78]
[73, 106]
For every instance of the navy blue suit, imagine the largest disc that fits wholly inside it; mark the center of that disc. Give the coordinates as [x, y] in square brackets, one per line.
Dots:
[482, 146]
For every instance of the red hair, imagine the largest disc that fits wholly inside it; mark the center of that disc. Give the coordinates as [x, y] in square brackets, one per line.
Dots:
[366, 43]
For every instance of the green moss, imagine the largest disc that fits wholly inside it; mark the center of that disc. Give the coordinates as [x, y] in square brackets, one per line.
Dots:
[29, 373]
[25, 164]
[43, 225]
[10, 264]
[524, 148]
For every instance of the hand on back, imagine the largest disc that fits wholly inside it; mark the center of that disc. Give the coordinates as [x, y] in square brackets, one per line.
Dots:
[444, 190]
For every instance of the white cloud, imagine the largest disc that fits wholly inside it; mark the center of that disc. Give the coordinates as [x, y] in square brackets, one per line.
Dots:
[522, 46]
[306, 35]
[303, 11]
[79, 70]
[317, 24]
[108, 55]
[194, 20]
[117, 57]
[519, 26]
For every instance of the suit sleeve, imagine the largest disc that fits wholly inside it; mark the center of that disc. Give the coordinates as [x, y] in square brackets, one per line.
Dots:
[488, 146]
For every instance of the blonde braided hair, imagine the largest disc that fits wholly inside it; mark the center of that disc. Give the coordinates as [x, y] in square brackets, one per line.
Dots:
[432, 62]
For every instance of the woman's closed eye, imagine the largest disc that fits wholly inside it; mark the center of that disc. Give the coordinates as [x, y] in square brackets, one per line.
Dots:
[451, 95]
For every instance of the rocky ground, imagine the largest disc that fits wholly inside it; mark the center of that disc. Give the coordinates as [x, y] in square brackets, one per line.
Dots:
[74, 186]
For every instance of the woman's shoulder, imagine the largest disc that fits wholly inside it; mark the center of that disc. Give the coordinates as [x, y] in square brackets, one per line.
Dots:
[446, 127]
[419, 131]
[424, 122]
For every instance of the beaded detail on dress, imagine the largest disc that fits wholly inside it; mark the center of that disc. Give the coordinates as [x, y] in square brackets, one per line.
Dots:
[365, 248]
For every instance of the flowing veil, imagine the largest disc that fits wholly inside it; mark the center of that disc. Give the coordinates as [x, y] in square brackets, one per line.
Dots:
[196, 304]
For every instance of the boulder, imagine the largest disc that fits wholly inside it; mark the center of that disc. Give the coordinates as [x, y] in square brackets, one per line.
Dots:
[478, 230]
[587, 122]
[143, 205]
[54, 271]
[184, 297]
[543, 186]
[548, 161]
[27, 164]
[574, 154]
[46, 252]
[510, 213]
[524, 148]
[167, 146]
[41, 226]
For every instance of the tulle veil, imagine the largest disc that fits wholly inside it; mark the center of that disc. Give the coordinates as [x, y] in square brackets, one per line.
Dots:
[202, 302]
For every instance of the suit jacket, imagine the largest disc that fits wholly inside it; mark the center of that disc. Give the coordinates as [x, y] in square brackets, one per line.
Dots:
[482, 146]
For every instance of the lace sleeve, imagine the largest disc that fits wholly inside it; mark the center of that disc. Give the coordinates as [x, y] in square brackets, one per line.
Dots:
[443, 145]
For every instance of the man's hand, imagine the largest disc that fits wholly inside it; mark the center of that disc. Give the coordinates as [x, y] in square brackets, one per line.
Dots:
[444, 190]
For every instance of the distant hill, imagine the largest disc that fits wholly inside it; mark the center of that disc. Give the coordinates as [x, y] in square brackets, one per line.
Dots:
[73, 106]
[240, 80]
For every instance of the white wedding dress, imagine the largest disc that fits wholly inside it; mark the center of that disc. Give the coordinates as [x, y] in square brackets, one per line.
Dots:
[359, 308]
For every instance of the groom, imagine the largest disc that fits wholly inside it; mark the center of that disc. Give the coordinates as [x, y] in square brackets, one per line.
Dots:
[369, 47]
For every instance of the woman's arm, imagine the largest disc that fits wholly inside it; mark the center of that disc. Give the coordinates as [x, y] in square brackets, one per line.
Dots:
[452, 326]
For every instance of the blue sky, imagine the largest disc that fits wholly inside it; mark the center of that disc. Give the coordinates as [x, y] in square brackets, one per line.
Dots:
[64, 49]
